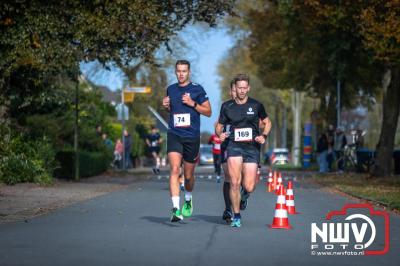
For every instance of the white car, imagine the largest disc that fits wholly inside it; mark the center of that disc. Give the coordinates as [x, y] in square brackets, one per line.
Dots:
[206, 155]
[280, 156]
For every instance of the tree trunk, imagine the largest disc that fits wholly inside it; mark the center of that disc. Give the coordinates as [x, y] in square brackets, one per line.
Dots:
[284, 127]
[391, 109]
[297, 99]
[331, 112]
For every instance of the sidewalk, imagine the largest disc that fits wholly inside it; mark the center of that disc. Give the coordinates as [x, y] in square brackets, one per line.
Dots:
[26, 200]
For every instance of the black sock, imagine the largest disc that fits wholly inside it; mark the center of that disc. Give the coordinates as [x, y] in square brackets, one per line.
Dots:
[244, 195]
[227, 199]
[237, 216]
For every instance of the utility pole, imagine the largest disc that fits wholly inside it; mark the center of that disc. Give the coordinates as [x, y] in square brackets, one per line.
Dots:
[76, 127]
[123, 129]
[338, 88]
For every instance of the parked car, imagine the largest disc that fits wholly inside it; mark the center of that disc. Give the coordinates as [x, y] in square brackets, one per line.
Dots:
[280, 156]
[206, 155]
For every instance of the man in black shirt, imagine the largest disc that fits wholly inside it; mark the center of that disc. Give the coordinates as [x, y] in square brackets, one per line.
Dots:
[227, 215]
[244, 114]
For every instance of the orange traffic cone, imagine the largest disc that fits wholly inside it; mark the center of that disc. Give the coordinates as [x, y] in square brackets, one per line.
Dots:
[279, 184]
[269, 184]
[280, 220]
[291, 208]
[274, 181]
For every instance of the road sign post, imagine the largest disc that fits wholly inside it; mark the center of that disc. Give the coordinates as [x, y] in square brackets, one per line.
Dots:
[127, 95]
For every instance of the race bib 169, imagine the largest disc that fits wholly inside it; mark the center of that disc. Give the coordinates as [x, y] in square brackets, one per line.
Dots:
[244, 134]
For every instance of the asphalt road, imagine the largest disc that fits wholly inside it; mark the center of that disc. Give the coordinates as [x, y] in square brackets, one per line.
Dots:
[131, 227]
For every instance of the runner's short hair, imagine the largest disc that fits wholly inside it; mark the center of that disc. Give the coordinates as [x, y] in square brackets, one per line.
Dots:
[232, 83]
[242, 77]
[182, 62]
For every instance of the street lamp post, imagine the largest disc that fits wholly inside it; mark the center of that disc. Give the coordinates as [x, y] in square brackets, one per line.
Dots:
[338, 87]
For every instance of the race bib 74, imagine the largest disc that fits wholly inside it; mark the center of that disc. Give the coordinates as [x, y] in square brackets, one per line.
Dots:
[182, 120]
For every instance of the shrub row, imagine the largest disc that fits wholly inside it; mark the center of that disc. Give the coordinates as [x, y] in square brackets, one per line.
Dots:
[90, 163]
[23, 160]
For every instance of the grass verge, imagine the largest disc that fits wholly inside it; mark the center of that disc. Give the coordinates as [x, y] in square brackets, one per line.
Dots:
[384, 191]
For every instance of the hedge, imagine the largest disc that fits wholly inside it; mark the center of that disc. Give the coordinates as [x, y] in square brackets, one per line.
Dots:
[90, 163]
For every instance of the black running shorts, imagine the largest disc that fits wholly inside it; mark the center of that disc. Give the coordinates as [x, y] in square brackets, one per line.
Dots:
[154, 149]
[249, 154]
[188, 147]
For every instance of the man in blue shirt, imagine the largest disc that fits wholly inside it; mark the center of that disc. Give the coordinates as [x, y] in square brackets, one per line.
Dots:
[153, 141]
[185, 101]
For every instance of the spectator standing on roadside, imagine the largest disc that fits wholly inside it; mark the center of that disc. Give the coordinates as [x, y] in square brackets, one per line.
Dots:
[98, 130]
[330, 157]
[215, 141]
[118, 152]
[322, 152]
[127, 149]
[107, 141]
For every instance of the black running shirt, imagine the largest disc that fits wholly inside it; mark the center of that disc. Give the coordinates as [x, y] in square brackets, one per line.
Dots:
[244, 120]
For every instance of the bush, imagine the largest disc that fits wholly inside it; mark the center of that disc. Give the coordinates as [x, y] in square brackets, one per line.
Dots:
[90, 163]
[23, 160]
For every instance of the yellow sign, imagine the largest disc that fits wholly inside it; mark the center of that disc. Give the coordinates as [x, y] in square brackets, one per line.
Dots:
[129, 96]
[138, 89]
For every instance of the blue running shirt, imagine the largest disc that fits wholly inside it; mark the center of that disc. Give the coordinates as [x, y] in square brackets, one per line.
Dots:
[184, 120]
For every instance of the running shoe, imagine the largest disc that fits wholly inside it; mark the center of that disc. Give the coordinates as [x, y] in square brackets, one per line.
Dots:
[182, 187]
[187, 208]
[176, 215]
[154, 171]
[236, 222]
[227, 216]
[244, 196]
[218, 179]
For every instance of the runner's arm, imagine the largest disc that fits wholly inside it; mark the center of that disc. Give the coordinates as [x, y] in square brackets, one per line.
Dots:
[219, 132]
[267, 128]
[204, 108]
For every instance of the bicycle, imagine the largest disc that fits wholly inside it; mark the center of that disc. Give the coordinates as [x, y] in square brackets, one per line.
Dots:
[349, 158]
[356, 160]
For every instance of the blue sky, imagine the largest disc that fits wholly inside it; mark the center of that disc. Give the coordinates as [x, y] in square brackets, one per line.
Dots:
[205, 47]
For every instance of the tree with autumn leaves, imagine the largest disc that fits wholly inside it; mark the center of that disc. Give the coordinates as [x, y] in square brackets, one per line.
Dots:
[42, 44]
[374, 26]
[43, 39]
[312, 45]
